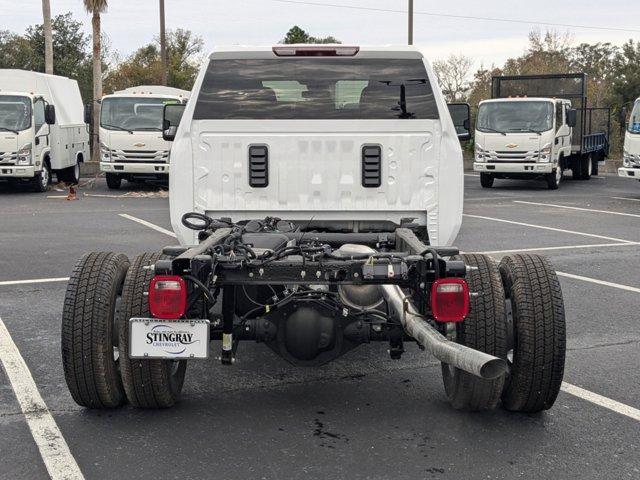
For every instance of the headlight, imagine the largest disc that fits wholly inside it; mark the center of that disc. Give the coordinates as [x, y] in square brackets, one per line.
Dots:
[24, 155]
[105, 153]
[481, 154]
[545, 153]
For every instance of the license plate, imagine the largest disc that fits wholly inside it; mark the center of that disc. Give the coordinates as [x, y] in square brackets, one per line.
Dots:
[153, 338]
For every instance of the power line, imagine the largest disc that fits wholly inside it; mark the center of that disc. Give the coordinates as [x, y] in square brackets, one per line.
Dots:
[459, 17]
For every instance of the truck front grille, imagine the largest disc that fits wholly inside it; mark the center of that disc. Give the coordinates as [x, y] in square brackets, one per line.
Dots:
[512, 156]
[135, 156]
[8, 158]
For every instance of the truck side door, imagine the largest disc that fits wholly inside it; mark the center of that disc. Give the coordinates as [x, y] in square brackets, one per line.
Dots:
[563, 131]
[41, 130]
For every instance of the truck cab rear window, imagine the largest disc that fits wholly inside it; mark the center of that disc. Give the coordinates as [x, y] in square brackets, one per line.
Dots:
[318, 89]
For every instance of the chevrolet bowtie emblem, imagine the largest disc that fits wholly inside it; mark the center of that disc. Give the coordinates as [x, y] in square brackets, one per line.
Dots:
[139, 145]
[512, 145]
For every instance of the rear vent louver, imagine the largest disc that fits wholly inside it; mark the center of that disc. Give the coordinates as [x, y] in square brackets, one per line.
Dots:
[258, 166]
[371, 166]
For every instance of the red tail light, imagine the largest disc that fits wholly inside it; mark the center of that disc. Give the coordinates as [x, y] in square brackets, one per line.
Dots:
[167, 296]
[450, 299]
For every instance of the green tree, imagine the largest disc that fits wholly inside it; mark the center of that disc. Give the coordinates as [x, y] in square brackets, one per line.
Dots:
[298, 35]
[70, 46]
[144, 66]
[626, 73]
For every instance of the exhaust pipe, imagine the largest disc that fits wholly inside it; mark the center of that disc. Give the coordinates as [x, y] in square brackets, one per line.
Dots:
[473, 361]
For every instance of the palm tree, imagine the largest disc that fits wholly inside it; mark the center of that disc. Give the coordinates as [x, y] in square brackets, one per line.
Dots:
[95, 8]
[48, 37]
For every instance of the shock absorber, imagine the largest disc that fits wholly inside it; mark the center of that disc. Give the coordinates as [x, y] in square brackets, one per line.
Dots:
[228, 311]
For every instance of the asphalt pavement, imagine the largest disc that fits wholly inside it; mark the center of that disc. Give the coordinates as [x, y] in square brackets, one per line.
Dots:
[363, 416]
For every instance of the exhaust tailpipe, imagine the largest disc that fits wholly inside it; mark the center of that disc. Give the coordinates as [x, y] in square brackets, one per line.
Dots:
[473, 361]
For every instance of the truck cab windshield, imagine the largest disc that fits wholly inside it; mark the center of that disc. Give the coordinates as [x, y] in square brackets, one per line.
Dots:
[634, 121]
[534, 116]
[15, 113]
[128, 113]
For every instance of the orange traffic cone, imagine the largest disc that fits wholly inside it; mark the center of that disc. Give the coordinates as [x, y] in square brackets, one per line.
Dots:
[72, 193]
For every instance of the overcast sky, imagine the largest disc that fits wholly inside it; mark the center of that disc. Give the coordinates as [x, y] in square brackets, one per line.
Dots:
[131, 23]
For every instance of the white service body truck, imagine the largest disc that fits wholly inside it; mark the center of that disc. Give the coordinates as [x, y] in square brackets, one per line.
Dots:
[131, 143]
[538, 126]
[42, 129]
[631, 155]
[315, 191]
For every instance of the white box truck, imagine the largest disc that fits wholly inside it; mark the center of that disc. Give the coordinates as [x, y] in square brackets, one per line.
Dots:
[131, 143]
[538, 126]
[42, 129]
[316, 191]
[631, 156]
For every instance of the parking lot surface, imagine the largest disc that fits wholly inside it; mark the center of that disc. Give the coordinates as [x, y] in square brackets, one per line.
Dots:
[365, 415]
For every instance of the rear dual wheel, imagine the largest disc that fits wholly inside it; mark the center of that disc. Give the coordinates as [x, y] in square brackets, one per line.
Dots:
[103, 293]
[516, 314]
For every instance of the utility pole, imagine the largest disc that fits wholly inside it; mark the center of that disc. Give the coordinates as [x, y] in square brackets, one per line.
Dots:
[48, 37]
[410, 27]
[163, 44]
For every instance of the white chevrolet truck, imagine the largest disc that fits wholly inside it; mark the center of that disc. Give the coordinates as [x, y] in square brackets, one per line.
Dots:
[131, 143]
[42, 130]
[538, 126]
[316, 192]
[631, 156]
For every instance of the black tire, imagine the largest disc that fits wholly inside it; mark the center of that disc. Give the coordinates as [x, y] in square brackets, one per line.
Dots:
[554, 179]
[114, 181]
[594, 168]
[42, 179]
[485, 330]
[486, 180]
[539, 337]
[70, 175]
[576, 168]
[90, 307]
[586, 166]
[148, 383]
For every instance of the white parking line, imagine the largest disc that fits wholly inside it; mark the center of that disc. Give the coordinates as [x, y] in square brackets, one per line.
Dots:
[599, 282]
[35, 280]
[148, 224]
[542, 227]
[592, 210]
[563, 247]
[53, 448]
[626, 198]
[605, 402]
[471, 175]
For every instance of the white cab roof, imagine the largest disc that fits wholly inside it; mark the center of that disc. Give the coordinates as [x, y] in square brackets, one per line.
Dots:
[62, 92]
[150, 90]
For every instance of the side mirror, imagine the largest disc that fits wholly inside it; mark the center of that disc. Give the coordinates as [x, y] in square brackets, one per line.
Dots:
[461, 116]
[572, 117]
[88, 113]
[171, 116]
[50, 114]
